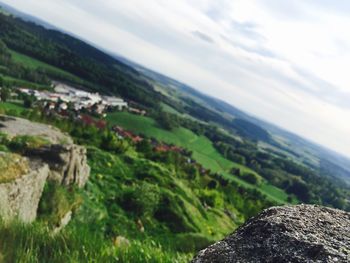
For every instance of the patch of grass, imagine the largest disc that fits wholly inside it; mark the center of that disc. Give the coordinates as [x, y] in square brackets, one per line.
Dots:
[149, 252]
[34, 243]
[24, 83]
[169, 109]
[35, 64]
[12, 166]
[56, 202]
[21, 143]
[10, 106]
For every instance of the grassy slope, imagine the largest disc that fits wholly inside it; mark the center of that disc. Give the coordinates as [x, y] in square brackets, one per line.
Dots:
[202, 148]
[24, 83]
[34, 64]
[11, 106]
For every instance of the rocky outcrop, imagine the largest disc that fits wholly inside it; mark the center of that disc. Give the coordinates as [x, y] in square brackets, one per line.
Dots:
[19, 199]
[16, 126]
[60, 161]
[68, 163]
[302, 233]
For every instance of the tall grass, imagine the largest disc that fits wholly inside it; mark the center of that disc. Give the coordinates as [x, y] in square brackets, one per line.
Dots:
[32, 243]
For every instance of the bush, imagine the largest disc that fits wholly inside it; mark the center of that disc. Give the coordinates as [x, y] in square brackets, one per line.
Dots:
[211, 198]
[21, 143]
[56, 202]
[252, 178]
[141, 200]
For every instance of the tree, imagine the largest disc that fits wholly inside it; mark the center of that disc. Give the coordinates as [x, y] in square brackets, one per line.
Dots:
[300, 189]
[5, 94]
[167, 121]
[28, 101]
[145, 147]
[252, 178]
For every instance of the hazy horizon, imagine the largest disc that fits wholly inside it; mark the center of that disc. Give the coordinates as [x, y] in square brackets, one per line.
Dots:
[285, 63]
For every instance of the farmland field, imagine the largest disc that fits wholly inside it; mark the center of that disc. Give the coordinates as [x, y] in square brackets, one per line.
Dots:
[35, 64]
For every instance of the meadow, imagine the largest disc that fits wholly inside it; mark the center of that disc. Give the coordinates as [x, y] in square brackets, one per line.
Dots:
[33, 63]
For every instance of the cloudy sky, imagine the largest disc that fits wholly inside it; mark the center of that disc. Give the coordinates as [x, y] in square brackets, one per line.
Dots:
[285, 61]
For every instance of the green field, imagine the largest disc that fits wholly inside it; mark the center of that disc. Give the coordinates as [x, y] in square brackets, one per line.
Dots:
[24, 83]
[7, 106]
[201, 147]
[35, 64]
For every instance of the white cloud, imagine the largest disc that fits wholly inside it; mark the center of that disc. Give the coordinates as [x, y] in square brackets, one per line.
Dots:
[285, 62]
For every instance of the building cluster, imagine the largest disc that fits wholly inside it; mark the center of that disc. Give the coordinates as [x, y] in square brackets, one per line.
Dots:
[64, 95]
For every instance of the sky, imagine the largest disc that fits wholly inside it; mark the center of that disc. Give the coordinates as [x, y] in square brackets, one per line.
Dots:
[283, 61]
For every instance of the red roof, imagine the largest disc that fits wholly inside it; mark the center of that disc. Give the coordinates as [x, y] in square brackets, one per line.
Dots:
[88, 120]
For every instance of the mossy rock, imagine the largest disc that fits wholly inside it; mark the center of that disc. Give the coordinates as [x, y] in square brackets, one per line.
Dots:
[12, 166]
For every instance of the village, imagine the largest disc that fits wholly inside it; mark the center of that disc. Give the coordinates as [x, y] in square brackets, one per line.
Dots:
[64, 97]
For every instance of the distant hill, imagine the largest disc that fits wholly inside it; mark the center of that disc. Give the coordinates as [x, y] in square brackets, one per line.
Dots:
[306, 152]
[26, 17]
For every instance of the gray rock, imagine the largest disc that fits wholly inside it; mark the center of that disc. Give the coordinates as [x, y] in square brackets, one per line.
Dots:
[16, 126]
[64, 221]
[302, 233]
[68, 163]
[62, 162]
[20, 198]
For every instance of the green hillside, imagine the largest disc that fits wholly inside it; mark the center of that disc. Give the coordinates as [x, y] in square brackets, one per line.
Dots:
[201, 147]
[36, 64]
[180, 209]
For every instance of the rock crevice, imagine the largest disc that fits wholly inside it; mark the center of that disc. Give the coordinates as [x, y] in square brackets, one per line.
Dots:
[68, 163]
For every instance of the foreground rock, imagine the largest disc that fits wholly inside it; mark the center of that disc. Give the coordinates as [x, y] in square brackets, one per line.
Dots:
[20, 198]
[17, 126]
[68, 163]
[303, 233]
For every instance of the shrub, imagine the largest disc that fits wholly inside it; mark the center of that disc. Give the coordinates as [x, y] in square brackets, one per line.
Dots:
[211, 198]
[252, 178]
[56, 202]
[141, 200]
[21, 143]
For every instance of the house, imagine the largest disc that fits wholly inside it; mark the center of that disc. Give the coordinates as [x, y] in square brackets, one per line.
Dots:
[115, 102]
[88, 120]
[99, 108]
[63, 106]
[137, 111]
